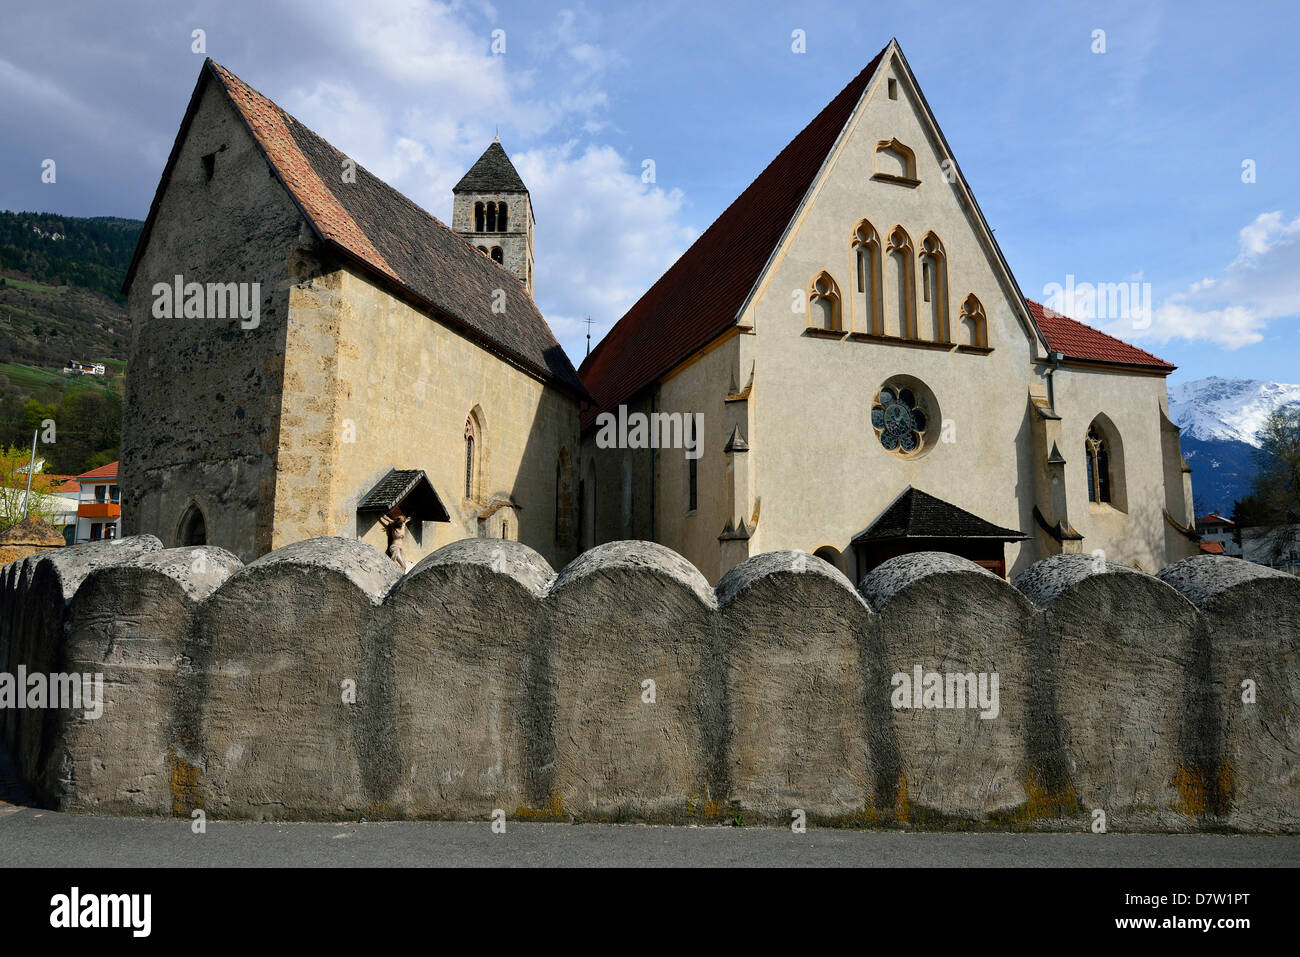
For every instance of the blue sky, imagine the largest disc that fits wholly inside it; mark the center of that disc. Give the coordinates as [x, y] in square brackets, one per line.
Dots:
[1117, 166]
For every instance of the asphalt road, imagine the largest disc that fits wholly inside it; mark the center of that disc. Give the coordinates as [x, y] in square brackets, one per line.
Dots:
[30, 837]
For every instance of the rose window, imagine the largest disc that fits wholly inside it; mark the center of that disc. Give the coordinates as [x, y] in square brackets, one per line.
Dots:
[899, 420]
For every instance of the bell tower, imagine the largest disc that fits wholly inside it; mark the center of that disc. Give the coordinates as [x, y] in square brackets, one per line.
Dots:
[491, 211]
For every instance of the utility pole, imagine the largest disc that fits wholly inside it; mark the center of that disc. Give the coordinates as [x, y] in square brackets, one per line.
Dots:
[31, 467]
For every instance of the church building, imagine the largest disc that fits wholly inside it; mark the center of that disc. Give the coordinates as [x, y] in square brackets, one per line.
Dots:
[871, 380]
[313, 354]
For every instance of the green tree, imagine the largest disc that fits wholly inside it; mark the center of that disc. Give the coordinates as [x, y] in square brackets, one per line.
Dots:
[13, 491]
[1274, 501]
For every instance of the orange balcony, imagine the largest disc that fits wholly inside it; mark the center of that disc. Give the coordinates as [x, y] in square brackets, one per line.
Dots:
[99, 510]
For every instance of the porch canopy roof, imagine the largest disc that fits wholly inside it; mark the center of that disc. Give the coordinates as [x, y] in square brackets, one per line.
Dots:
[408, 489]
[917, 515]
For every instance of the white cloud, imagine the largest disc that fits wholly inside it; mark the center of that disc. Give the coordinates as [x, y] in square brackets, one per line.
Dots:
[1233, 308]
[603, 236]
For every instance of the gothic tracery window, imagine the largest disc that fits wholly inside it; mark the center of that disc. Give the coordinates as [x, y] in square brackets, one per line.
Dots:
[900, 304]
[824, 304]
[1098, 459]
[974, 323]
[934, 279]
[866, 264]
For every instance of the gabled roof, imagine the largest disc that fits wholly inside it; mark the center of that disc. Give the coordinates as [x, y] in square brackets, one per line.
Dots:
[915, 514]
[492, 173]
[1213, 548]
[701, 294]
[103, 473]
[409, 488]
[386, 235]
[1079, 341]
[1214, 518]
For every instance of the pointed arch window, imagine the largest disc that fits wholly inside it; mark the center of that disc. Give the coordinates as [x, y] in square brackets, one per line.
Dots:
[934, 290]
[478, 217]
[900, 286]
[866, 266]
[895, 163]
[1097, 454]
[491, 217]
[471, 442]
[974, 323]
[825, 304]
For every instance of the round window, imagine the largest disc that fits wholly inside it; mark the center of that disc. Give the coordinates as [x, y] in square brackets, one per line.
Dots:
[901, 416]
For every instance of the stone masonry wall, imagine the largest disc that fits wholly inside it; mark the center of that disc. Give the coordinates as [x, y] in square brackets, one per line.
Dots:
[319, 683]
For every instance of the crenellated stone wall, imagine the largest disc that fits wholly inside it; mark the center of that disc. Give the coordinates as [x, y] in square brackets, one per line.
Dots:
[319, 683]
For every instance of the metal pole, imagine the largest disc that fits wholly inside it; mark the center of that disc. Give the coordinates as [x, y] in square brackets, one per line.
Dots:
[31, 467]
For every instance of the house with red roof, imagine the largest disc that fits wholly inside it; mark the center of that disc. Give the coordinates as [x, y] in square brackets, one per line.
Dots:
[351, 366]
[1218, 535]
[99, 504]
[843, 363]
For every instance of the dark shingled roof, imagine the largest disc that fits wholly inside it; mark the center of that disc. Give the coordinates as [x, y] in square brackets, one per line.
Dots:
[915, 514]
[409, 488]
[493, 173]
[701, 294]
[384, 233]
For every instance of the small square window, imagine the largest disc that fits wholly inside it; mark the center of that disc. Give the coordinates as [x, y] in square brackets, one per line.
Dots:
[893, 88]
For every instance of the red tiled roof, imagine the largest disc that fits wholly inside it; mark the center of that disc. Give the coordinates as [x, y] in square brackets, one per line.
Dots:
[701, 294]
[1079, 341]
[108, 471]
[1212, 548]
[1214, 518]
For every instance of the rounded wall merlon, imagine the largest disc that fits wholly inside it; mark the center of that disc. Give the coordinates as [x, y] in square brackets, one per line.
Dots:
[1044, 581]
[504, 556]
[888, 580]
[1203, 579]
[770, 564]
[654, 559]
[372, 572]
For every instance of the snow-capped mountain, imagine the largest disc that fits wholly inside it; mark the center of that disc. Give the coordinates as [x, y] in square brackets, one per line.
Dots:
[1227, 409]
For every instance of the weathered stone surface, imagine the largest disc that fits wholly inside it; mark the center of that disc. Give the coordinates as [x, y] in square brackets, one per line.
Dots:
[799, 662]
[131, 624]
[456, 642]
[1114, 684]
[1249, 632]
[949, 616]
[622, 615]
[483, 681]
[278, 647]
[33, 634]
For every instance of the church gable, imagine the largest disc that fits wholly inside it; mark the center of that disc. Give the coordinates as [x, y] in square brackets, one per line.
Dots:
[889, 243]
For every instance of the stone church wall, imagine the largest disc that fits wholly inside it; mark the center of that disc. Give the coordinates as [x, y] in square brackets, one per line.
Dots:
[318, 683]
[202, 410]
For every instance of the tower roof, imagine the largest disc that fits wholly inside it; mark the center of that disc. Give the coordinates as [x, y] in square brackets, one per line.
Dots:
[493, 173]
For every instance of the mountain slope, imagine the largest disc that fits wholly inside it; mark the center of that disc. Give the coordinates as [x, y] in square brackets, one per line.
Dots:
[59, 288]
[1227, 409]
[1221, 419]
